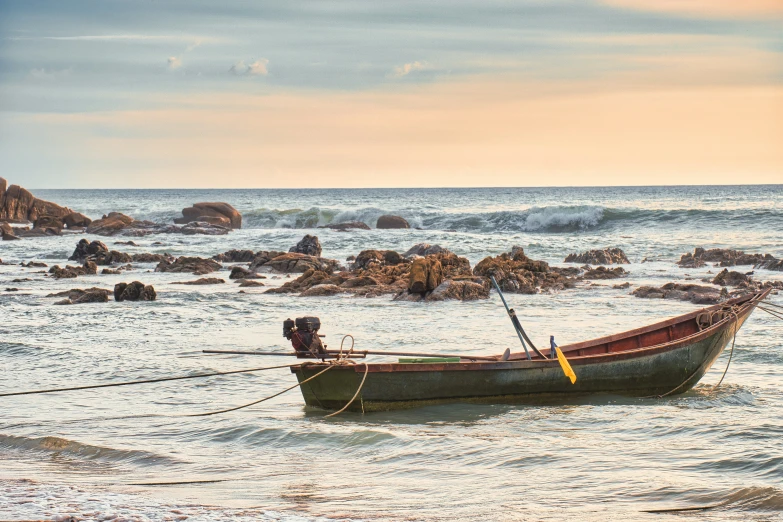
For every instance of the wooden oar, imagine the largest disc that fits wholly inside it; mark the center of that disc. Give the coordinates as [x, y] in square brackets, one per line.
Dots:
[362, 353]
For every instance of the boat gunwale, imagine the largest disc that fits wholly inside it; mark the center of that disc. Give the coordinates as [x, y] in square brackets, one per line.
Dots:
[747, 302]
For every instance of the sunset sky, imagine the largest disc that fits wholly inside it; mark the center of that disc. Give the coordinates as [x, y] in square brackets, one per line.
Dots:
[157, 93]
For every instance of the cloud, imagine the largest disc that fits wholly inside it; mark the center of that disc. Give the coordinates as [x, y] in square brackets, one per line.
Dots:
[48, 74]
[708, 8]
[406, 69]
[257, 68]
[175, 62]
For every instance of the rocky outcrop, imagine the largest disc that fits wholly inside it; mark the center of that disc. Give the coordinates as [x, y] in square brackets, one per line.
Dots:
[369, 259]
[517, 273]
[263, 257]
[194, 265]
[321, 290]
[696, 294]
[607, 256]
[216, 213]
[7, 232]
[388, 222]
[49, 222]
[235, 256]
[19, 205]
[770, 263]
[134, 291]
[730, 278]
[300, 263]
[239, 272]
[462, 289]
[151, 258]
[249, 283]
[71, 272]
[309, 245]
[601, 272]
[344, 227]
[111, 224]
[116, 223]
[202, 281]
[79, 296]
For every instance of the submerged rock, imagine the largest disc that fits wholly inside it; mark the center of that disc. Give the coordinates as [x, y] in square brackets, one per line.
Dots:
[722, 256]
[71, 272]
[202, 281]
[235, 256]
[244, 283]
[263, 257]
[726, 278]
[696, 294]
[135, 291]
[344, 227]
[607, 256]
[601, 272]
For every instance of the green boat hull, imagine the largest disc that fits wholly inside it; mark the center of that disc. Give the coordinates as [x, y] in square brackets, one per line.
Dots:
[668, 368]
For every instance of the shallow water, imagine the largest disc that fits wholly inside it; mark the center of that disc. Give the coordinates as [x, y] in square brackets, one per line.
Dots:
[598, 458]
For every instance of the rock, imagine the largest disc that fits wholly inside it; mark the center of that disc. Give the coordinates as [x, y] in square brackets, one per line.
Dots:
[199, 211]
[388, 221]
[19, 205]
[86, 249]
[293, 263]
[235, 256]
[263, 257]
[344, 227]
[151, 258]
[127, 243]
[11, 289]
[110, 225]
[607, 256]
[202, 281]
[425, 249]
[601, 272]
[309, 245]
[75, 220]
[52, 222]
[321, 290]
[64, 302]
[696, 294]
[71, 272]
[239, 272]
[134, 291]
[461, 289]
[376, 258]
[6, 232]
[249, 282]
[109, 271]
[77, 293]
[195, 265]
[770, 263]
[726, 278]
[356, 282]
[33, 264]
[622, 286]
[39, 232]
[425, 275]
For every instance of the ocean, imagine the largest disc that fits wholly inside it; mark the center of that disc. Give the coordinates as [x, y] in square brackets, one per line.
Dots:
[601, 458]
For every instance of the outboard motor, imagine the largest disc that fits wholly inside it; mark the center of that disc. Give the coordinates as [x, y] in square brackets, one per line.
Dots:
[303, 334]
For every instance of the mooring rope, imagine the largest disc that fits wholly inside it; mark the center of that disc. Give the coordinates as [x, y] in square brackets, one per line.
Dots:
[145, 381]
[731, 354]
[359, 389]
[770, 312]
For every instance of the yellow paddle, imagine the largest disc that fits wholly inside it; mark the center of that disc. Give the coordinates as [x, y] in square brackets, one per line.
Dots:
[562, 360]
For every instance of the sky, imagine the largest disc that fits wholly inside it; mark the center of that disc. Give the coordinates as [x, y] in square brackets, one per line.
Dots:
[257, 94]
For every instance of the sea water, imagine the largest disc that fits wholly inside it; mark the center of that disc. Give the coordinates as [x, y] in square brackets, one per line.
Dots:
[601, 458]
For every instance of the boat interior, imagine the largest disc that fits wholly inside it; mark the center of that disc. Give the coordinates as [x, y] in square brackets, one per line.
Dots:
[664, 332]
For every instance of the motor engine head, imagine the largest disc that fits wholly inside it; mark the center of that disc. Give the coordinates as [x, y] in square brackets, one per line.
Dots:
[303, 334]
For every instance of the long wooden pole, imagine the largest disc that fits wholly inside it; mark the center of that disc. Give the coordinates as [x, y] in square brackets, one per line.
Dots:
[360, 354]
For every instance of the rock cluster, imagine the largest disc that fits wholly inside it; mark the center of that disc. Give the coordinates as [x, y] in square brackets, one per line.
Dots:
[18, 205]
[98, 252]
[601, 272]
[215, 213]
[115, 223]
[202, 281]
[134, 291]
[79, 296]
[517, 273]
[235, 256]
[607, 256]
[728, 257]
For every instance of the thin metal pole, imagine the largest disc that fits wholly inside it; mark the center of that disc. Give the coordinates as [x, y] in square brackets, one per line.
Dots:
[510, 314]
[361, 354]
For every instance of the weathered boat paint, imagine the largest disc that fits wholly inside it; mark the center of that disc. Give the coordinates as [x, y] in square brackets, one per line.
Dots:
[631, 363]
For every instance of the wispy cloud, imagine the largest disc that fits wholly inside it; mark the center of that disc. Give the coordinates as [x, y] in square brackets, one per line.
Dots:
[48, 74]
[175, 62]
[406, 69]
[110, 37]
[257, 68]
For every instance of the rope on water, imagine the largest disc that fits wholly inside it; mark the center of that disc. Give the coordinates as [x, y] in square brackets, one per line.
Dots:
[145, 381]
[770, 312]
[731, 354]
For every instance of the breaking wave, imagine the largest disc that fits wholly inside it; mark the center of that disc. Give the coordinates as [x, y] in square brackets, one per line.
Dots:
[546, 219]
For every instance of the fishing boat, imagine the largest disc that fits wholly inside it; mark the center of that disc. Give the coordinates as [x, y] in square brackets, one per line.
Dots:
[665, 358]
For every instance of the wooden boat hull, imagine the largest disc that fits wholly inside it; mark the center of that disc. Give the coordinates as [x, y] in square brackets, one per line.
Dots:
[673, 366]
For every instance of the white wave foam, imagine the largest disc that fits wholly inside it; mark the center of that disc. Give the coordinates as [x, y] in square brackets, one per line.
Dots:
[553, 218]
